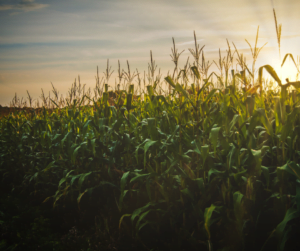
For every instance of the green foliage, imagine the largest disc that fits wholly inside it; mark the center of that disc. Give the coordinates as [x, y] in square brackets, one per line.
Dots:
[201, 169]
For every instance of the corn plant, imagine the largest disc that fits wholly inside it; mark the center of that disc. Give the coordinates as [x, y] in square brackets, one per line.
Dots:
[208, 167]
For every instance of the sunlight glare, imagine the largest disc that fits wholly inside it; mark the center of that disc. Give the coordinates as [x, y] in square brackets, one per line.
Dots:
[289, 71]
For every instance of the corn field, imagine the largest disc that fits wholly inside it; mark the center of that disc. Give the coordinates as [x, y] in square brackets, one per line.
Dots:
[198, 165]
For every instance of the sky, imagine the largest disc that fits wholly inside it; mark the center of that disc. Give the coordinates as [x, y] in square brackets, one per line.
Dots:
[54, 41]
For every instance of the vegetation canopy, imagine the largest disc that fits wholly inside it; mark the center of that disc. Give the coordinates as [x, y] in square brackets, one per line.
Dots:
[201, 164]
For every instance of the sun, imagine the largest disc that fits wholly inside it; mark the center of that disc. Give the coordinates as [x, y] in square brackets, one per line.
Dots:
[288, 71]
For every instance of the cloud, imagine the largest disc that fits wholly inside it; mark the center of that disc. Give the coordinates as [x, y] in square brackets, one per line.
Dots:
[274, 37]
[1, 80]
[23, 5]
[6, 7]
[191, 42]
[291, 36]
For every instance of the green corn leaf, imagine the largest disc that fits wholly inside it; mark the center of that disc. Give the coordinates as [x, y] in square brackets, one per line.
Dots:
[48, 198]
[80, 196]
[242, 77]
[179, 88]
[250, 73]
[162, 191]
[65, 138]
[68, 174]
[142, 225]
[49, 127]
[74, 178]
[213, 136]
[235, 119]
[209, 96]
[34, 177]
[85, 126]
[142, 216]
[266, 173]
[150, 90]
[54, 102]
[105, 98]
[291, 56]
[196, 72]
[57, 197]
[257, 156]
[206, 83]
[138, 211]
[297, 198]
[292, 168]
[139, 176]
[250, 104]
[296, 84]
[61, 182]
[93, 143]
[137, 151]
[207, 217]
[170, 81]
[181, 172]
[187, 193]
[146, 147]
[163, 99]
[49, 166]
[56, 137]
[152, 128]
[133, 119]
[131, 89]
[231, 155]
[238, 176]
[121, 219]
[123, 185]
[271, 71]
[120, 98]
[238, 210]
[204, 152]
[288, 128]
[277, 112]
[129, 102]
[200, 184]
[82, 179]
[263, 118]
[75, 153]
[264, 150]
[290, 215]
[215, 172]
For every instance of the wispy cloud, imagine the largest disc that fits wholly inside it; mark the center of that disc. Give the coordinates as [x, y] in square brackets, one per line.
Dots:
[1, 79]
[6, 7]
[191, 42]
[23, 5]
[287, 36]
